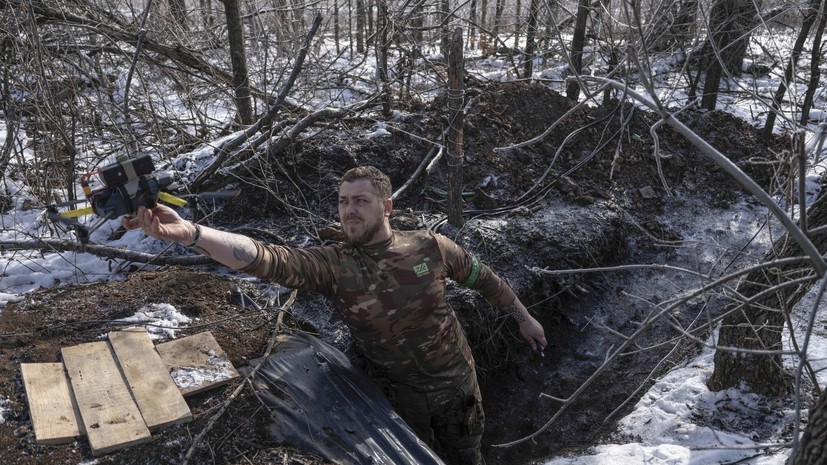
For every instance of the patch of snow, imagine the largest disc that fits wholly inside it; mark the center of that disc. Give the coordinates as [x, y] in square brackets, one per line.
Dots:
[379, 132]
[190, 377]
[4, 408]
[161, 321]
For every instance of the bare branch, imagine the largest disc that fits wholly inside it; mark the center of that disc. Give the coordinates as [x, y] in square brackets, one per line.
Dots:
[63, 245]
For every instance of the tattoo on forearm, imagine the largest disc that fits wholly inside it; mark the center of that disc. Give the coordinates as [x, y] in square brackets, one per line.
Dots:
[515, 312]
[241, 250]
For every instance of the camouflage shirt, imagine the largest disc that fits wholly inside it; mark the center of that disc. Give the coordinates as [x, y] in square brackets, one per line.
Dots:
[392, 296]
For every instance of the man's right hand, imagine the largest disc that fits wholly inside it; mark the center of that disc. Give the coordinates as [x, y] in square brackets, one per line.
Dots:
[161, 222]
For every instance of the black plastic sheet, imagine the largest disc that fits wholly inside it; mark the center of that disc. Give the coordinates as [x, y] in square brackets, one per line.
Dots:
[321, 403]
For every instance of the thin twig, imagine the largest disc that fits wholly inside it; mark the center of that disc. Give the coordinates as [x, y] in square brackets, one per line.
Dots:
[242, 383]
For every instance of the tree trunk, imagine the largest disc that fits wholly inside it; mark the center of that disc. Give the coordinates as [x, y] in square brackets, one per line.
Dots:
[518, 16]
[238, 56]
[498, 16]
[472, 22]
[369, 15]
[9, 113]
[730, 23]
[578, 43]
[206, 14]
[759, 325]
[454, 143]
[178, 9]
[360, 26]
[336, 28]
[382, 26]
[417, 23]
[711, 83]
[815, 62]
[810, 16]
[444, 12]
[531, 39]
[813, 447]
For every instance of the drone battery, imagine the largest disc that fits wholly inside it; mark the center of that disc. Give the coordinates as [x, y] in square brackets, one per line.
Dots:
[127, 169]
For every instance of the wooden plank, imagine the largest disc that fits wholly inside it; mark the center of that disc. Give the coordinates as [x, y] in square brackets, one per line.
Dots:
[197, 363]
[153, 389]
[52, 406]
[110, 416]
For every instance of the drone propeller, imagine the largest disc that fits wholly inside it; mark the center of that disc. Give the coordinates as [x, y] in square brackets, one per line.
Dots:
[208, 196]
[71, 223]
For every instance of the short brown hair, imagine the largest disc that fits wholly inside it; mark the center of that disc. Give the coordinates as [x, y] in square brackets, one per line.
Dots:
[379, 180]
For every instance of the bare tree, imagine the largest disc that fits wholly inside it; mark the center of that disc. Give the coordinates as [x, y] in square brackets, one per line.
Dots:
[454, 143]
[361, 14]
[811, 13]
[531, 38]
[498, 16]
[730, 25]
[815, 60]
[750, 335]
[238, 55]
[578, 43]
[178, 9]
[811, 450]
[383, 26]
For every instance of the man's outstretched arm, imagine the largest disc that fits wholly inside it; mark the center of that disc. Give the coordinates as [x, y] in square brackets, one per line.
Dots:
[161, 222]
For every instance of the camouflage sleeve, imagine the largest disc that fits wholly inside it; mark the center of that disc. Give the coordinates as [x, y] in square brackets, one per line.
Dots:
[469, 272]
[310, 268]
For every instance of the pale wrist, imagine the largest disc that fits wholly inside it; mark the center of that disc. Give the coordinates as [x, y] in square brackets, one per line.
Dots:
[195, 236]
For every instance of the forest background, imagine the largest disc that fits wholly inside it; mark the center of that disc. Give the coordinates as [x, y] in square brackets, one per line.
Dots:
[84, 81]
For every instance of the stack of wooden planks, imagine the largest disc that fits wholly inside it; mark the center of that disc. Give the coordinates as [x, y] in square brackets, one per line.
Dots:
[117, 392]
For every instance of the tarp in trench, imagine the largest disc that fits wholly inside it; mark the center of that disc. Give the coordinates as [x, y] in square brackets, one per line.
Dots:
[321, 403]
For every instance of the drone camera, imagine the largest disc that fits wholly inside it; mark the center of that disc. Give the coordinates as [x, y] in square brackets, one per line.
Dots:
[126, 169]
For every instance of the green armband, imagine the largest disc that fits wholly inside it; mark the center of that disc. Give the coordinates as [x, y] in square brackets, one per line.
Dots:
[475, 273]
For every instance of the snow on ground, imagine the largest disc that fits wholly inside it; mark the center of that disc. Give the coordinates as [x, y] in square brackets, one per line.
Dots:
[671, 423]
[663, 429]
[161, 321]
[4, 408]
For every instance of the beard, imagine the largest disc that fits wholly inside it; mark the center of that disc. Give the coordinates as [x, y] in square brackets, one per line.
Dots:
[372, 224]
[366, 235]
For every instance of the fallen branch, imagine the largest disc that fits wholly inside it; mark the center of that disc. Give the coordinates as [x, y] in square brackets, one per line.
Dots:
[65, 245]
[107, 28]
[282, 141]
[243, 381]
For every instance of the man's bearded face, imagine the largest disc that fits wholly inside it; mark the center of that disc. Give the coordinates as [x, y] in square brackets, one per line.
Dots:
[361, 212]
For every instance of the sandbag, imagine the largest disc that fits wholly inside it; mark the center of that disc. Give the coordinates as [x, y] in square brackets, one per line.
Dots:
[319, 402]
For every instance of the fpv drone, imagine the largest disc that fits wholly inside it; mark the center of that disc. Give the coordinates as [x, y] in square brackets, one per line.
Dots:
[128, 184]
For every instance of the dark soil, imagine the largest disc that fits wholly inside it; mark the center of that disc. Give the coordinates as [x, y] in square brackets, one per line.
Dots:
[623, 194]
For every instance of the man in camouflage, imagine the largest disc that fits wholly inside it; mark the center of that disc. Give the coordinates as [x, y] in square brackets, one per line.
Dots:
[389, 287]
